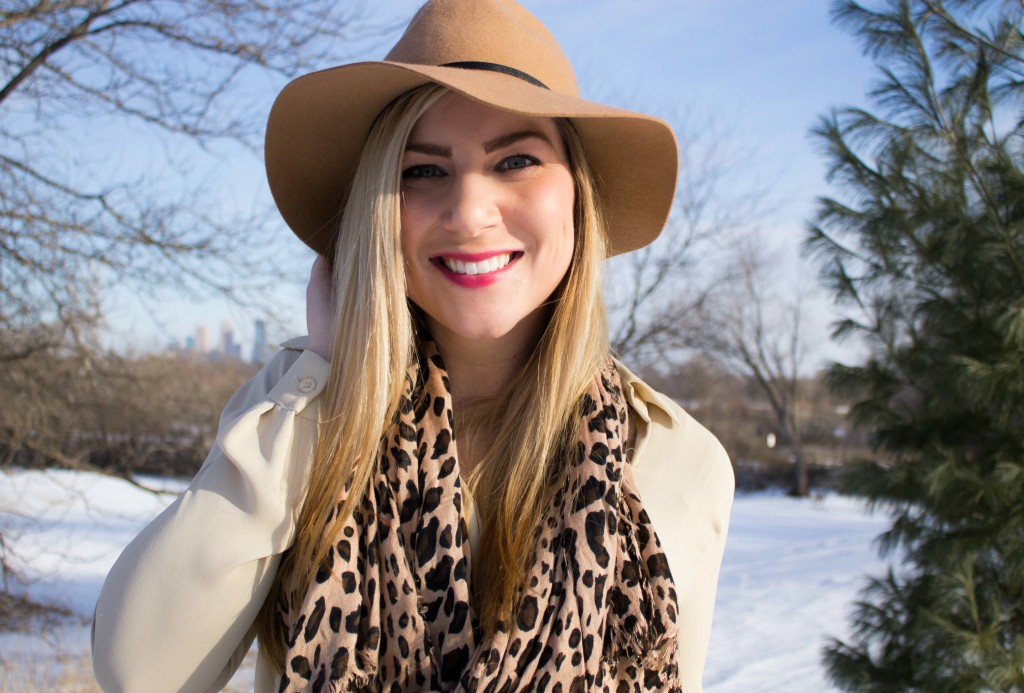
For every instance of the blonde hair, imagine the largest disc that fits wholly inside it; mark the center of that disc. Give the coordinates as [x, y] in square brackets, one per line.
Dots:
[373, 346]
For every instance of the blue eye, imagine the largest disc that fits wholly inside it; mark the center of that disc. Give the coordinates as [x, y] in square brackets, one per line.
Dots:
[517, 162]
[423, 171]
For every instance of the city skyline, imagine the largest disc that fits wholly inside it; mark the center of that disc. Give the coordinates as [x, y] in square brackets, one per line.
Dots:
[228, 345]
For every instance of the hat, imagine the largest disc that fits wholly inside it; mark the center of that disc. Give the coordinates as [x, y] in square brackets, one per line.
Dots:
[492, 51]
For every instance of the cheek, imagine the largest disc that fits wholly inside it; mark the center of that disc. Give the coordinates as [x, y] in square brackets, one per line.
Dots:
[555, 221]
[406, 233]
[411, 231]
[546, 206]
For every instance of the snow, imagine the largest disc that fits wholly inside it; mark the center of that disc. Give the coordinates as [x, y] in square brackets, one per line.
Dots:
[792, 569]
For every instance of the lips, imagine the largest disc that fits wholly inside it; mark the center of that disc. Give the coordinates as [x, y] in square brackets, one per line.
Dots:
[475, 269]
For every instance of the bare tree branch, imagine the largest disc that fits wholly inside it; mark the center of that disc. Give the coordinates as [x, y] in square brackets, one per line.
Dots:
[656, 293]
[184, 71]
[751, 326]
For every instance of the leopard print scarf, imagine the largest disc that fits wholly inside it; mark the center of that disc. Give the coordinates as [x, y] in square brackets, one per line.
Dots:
[391, 608]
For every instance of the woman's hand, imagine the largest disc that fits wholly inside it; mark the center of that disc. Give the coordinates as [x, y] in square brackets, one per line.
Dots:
[320, 308]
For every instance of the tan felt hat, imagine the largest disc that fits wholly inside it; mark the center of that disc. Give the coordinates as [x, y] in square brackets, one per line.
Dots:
[495, 52]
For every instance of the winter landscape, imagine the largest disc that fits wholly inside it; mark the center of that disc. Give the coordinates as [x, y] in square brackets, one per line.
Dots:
[792, 570]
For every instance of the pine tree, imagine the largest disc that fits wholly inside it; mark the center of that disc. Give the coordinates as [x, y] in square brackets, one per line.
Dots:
[923, 247]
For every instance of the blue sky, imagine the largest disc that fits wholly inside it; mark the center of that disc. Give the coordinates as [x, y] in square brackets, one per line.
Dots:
[764, 71]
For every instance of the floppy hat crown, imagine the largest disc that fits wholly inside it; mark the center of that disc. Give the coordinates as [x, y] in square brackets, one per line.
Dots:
[457, 32]
[492, 51]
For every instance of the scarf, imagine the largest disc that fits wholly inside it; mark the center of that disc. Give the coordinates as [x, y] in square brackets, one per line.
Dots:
[391, 606]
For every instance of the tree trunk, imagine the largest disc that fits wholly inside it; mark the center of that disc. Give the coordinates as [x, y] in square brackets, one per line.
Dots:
[801, 484]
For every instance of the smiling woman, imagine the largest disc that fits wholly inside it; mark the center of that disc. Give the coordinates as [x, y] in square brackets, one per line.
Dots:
[451, 484]
[487, 220]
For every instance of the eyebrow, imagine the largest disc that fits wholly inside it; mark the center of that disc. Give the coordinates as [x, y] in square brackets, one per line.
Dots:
[489, 145]
[506, 140]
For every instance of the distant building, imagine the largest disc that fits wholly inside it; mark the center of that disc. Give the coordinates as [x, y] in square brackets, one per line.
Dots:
[202, 342]
[229, 348]
[261, 350]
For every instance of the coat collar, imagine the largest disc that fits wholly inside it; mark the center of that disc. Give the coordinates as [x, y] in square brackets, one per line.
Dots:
[641, 397]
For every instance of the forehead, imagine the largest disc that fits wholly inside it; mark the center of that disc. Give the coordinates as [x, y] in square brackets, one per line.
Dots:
[456, 119]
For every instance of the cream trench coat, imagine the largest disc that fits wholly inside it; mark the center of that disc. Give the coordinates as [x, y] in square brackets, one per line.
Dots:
[176, 610]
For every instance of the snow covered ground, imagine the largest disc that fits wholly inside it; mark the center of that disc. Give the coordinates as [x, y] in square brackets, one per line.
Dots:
[792, 569]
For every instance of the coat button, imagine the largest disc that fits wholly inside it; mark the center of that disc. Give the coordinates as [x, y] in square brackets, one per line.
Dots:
[307, 384]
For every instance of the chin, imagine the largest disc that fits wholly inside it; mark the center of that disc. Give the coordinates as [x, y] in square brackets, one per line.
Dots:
[486, 328]
[481, 333]
[498, 321]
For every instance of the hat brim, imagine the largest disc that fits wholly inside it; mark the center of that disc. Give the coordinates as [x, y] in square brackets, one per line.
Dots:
[319, 123]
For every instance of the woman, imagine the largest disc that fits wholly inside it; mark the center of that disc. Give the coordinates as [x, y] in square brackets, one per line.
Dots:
[473, 495]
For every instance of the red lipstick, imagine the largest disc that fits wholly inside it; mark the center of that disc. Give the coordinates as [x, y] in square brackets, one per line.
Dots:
[474, 281]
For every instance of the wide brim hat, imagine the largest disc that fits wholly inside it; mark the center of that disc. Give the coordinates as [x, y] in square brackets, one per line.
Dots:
[491, 51]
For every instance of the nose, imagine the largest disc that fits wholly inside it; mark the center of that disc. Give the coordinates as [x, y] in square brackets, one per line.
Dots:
[472, 206]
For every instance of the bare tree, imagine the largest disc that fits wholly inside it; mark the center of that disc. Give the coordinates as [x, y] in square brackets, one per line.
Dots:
[195, 74]
[706, 285]
[156, 413]
[656, 293]
[752, 323]
[196, 77]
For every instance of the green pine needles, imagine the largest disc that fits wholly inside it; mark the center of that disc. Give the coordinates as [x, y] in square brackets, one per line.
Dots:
[923, 248]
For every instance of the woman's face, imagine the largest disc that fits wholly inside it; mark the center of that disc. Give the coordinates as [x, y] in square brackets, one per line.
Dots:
[487, 218]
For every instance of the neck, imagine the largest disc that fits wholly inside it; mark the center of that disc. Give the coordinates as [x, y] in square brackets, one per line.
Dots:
[482, 368]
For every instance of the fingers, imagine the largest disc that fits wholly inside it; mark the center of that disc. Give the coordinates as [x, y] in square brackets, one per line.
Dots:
[320, 307]
[319, 276]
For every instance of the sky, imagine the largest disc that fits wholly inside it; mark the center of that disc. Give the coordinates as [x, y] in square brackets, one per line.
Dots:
[761, 72]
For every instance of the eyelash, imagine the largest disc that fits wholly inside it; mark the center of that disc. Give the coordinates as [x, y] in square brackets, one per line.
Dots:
[418, 170]
[531, 160]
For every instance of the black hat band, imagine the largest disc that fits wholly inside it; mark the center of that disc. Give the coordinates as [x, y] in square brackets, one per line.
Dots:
[495, 67]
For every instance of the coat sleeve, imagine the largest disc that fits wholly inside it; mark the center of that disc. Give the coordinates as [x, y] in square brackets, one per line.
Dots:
[176, 611]
[686, 482]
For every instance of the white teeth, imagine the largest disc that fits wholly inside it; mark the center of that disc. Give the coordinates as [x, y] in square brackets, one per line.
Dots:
[472, 268]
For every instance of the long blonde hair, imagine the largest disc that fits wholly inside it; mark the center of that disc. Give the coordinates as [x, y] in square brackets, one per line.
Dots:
[373, 346]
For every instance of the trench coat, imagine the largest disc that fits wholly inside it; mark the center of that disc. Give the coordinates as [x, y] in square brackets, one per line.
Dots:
[176, 611]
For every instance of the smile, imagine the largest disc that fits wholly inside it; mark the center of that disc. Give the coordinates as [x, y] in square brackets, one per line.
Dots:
[492, 264]
[476, 270]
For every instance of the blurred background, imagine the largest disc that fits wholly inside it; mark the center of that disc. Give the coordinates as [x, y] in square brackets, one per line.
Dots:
[838, 296]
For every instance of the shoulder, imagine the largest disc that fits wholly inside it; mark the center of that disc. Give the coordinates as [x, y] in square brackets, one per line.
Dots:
[274, 370]
[669, 439]
[291, 379]
[682, 472]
